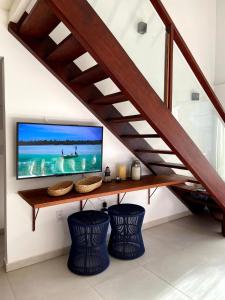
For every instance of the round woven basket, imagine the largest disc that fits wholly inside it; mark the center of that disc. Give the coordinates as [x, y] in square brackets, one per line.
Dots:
[88, 184]
[60, 189]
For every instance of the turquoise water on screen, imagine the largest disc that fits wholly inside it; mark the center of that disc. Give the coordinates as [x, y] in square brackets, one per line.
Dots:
[48, 160]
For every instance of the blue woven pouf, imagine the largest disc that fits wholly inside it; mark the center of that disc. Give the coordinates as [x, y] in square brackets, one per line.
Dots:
[88, 253]
[126, 239]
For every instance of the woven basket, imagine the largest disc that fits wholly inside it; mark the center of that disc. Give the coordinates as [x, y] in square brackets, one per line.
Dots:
[88, 184]
[60, 189]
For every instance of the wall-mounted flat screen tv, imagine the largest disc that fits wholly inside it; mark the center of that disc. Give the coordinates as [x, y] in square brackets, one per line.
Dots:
[53, 149]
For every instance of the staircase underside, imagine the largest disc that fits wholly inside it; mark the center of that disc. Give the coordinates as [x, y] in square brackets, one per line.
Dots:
[87, 32]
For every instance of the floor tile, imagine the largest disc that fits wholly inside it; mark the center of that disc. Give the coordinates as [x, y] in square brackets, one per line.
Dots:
[5, 289]
[116, 267]
[155, 249]
[202, 222]
[71, 294]
[205, 282]
[181, 237]
[138, 284]
[51, 276]
[174, 267]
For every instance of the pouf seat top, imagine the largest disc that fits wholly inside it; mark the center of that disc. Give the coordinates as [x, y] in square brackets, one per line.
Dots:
[88, 217]
[126, 209]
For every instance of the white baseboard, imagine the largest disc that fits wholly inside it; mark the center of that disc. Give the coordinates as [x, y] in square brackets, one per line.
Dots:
[35, 259]
[46, 256]
[166, 220]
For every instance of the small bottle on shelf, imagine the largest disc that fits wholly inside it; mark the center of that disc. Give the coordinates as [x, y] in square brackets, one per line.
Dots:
[107, 175]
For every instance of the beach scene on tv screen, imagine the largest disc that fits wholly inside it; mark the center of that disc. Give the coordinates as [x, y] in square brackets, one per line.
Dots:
[47, 150]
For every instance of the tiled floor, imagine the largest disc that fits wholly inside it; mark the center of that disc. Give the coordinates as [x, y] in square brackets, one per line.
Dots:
[184, 259]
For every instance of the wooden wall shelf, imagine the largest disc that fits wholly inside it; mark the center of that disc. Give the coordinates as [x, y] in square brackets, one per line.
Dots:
[38, 198]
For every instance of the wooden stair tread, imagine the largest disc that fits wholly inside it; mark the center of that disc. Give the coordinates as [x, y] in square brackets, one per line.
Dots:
[192, 179]
[139, 136]
[154, 151]
[90, 76]
[133, 118]
[67, 51]
[110, 99]
[168, 165]
[40, 21]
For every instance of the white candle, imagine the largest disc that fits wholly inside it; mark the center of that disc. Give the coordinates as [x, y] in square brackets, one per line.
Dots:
[122, 172]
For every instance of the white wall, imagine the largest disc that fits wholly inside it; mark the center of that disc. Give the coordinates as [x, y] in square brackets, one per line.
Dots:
[220, 44]
[196, 21]
[33, 94]
[220, 81]
[220, 50]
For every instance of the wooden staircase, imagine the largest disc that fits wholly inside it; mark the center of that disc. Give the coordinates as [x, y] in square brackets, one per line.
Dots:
[90, 34]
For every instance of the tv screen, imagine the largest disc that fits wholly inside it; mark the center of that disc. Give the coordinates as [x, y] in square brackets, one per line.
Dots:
[54, 150]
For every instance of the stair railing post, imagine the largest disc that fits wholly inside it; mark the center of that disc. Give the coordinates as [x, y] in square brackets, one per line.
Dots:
[168, 81]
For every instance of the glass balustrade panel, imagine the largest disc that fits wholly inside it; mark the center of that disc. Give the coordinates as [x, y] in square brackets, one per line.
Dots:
[146, 50]
[196, 113]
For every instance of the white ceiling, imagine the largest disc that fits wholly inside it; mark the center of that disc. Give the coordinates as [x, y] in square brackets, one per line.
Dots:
[6, 4]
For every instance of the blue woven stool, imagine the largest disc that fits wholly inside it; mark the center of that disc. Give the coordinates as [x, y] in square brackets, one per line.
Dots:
[126, 239]
[88, 253]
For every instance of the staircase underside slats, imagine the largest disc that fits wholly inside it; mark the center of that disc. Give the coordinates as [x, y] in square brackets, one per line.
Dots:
[154, 151]
[126, 119]
[168, 165]
[140, 136]
[40, 22]
[110, 99]
[92, 75]
[67, 51]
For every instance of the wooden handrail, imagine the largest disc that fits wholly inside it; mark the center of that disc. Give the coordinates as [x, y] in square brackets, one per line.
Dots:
[160, 9]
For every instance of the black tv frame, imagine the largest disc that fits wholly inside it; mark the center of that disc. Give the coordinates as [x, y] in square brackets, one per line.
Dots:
[55, 175]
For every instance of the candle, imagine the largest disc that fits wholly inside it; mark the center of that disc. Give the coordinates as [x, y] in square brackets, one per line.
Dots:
[122, 172]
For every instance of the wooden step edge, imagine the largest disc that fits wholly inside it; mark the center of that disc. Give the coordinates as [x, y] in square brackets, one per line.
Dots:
[155, 151]
[40, 21]
[168, 165]
[140, 136]
[109, 99]
[126, 119]
[66, 51]
[192, 179]
[90, 76]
